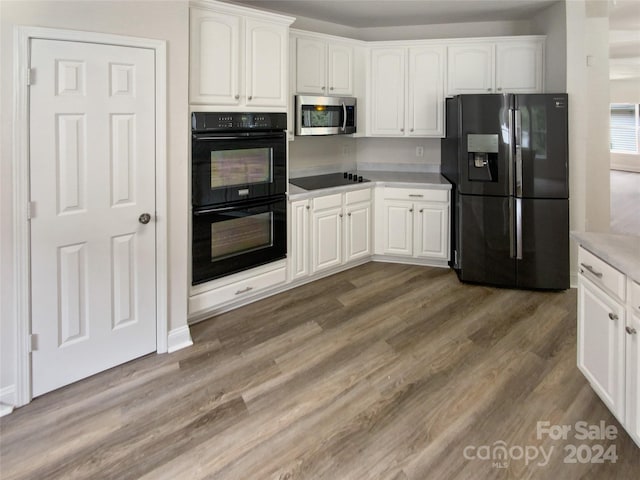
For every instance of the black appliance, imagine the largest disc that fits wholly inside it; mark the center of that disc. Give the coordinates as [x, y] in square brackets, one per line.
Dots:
[507, 158]
[316, 182]
[239, 179]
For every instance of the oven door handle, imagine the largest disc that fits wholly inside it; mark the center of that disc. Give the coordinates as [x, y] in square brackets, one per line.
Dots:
[207, 211]
[243, 136]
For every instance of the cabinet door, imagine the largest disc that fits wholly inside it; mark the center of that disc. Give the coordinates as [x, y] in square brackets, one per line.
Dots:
[326, 249]
[398, 224]
[425, 103]
[340, 69]
[431, 237]
[214, 58]
[310, 66]
[470, 68]
[632, 383]
[601, 346]
[519, 67]
[358, 237]
[388, 91]
[267, 47]
[300, 241]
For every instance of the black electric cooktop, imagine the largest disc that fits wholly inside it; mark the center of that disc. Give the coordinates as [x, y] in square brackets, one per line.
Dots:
[329, 180]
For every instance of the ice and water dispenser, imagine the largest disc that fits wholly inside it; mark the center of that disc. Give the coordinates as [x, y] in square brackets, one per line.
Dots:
[482, 155]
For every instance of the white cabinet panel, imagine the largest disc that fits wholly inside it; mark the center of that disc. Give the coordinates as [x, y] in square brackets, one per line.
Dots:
[632, 377]
[237, 60]
[407, 91]
[470, 68]
[519, 67]
[398, 228]
[358, 235]
[432, 231]
[214, 58]
[388, 91]
[326, 249]
[300, 239]
[323, 67]
[601, 340]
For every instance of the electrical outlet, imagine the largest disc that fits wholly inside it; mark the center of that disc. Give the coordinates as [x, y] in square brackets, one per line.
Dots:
[419, 151]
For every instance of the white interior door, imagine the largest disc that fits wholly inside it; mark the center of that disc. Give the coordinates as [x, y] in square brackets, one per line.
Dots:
[92, 157]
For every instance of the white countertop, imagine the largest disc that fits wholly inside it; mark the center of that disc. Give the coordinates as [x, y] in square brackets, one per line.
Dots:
[377, 178]
[620, 251]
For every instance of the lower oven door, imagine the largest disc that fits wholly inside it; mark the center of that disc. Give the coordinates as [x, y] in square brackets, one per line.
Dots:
[236, 237]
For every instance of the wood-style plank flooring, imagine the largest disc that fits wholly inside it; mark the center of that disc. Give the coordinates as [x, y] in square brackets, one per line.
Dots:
[384, 371]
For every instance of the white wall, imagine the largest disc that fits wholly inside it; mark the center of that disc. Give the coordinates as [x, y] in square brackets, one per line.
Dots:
[552, 23]
[625, 91]
[398, 154]
[165, 20]
[315, 155]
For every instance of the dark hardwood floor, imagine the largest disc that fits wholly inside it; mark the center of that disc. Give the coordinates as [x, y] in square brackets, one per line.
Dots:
[384, 371]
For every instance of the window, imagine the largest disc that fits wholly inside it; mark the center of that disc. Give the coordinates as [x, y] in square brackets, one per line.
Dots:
[624, 126]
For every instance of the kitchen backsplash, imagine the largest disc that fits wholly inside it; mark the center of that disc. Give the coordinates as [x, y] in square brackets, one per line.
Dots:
[326, 154]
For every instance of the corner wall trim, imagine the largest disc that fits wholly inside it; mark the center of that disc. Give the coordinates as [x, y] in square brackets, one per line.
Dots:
[178, 339]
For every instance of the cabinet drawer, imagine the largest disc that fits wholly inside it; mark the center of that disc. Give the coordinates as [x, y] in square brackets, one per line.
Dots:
[328, 201]
[236, 290]
[634, 296]
[601, 273]
[357, 196]
[416, 195]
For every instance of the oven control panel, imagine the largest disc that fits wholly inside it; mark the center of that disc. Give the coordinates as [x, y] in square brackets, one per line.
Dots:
[236, 121]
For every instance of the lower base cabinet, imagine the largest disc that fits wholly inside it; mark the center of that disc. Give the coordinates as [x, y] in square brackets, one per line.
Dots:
[413, 223]
[608, 345]
[328, 231]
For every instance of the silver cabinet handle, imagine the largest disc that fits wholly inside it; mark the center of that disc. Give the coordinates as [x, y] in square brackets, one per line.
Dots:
[590, 269]
[613, 316]
[631, 330]
[415, 195]
[244, 290]
[144, 218]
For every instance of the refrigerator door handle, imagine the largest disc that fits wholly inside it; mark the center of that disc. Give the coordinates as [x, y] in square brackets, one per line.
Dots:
[512, 238]
[518, 149]
[511, 149]
[518, 228]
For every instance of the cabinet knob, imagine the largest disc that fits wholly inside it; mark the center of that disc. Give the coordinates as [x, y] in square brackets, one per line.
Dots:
[237, 97]
[411, 130]
[308, 207]
[402, 129]
[411, 209]
[421, 210]
[331, 88]
[341, 215]
[349, 214]
[250, 97]
[613, 316]
[499, 89]
[323, 88]
[631, 330]
[488, 89]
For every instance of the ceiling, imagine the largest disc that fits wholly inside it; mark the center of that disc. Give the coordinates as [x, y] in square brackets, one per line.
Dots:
[624, 18]
[394, 13]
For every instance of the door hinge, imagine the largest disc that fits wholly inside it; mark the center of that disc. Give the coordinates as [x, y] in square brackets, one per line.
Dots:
[31, 210]
[33, 342]
[30, 76]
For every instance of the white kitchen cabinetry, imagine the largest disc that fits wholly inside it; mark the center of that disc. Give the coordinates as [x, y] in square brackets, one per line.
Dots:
[323, 67]
[328, 231]
[413, 223]
[608, 329]
[407, 91]
[238, 60]
[502, 66]
[300, 239]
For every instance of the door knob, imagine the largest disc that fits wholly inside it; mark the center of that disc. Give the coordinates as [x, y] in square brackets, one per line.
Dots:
[144, 218]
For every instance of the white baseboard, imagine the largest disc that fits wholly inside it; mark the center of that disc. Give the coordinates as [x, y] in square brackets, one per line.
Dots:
[179, 338]
[7, 400]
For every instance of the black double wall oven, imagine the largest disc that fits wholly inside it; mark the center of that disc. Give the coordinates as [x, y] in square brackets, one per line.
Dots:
[239, 181]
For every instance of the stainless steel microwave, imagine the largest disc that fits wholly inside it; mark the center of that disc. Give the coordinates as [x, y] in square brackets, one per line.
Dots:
[325, 115]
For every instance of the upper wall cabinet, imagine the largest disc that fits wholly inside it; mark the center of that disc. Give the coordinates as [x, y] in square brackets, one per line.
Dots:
[323, 67]
[407, 91]
[510, 65]
[237, 59]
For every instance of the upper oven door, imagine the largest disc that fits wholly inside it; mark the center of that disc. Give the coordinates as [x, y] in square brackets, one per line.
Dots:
[236, 167]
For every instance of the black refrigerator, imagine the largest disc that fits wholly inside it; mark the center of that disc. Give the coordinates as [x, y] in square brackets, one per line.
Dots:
[507, 158]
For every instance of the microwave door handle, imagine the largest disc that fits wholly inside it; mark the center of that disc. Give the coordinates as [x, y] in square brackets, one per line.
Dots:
[344, 117]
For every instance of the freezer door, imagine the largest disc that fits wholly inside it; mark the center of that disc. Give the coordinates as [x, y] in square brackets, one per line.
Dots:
[484, 240]
[545, 244]
[541, 158]
[484, 144]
